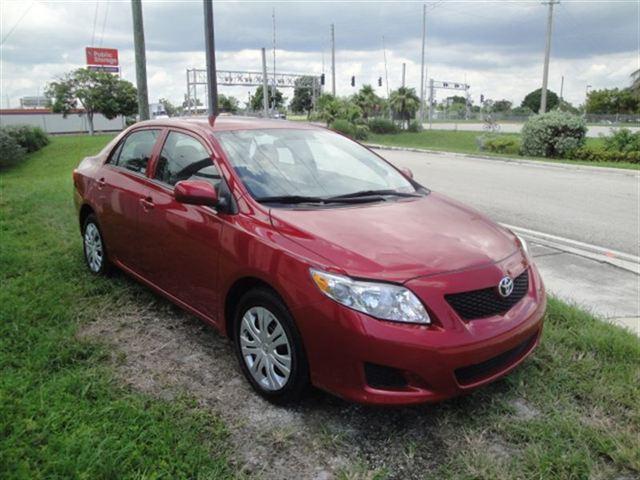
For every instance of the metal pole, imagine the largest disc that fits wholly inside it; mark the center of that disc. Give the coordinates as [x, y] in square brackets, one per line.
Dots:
[561, 88]
[188, 93]
[547, 53]
[141, 61]
[333, 60]
[265, 87]
[430, 102]
[404, 74]
[274, 61]
[386, 72]
[422, 74]
[210, 49]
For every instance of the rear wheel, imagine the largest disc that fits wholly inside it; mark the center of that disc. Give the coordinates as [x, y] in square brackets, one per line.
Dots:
[94, 249]
[269, 347]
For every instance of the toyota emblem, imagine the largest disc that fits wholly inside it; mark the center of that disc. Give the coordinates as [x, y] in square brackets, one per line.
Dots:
[505, 287]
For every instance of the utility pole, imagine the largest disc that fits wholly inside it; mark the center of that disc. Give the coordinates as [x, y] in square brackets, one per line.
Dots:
[265, 86]
[404, 74]
[386, 71]
[561, 89]
[422, 74]
[141, 60]
[210, 49]
[274, 58]
[547, 53]
[333, 60]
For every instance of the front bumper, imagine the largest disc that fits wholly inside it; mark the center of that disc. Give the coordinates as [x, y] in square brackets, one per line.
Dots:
[439, 361]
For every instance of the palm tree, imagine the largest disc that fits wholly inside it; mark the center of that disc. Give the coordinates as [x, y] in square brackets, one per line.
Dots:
[404, 103]
[635, 85]
[368, 101]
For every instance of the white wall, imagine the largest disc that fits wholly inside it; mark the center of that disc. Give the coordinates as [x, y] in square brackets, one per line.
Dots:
[55, 123]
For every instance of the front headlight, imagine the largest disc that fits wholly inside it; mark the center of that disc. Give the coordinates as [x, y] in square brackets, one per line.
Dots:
[381, 300]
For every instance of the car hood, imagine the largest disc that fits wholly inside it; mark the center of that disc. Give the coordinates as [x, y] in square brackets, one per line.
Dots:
[399, 239]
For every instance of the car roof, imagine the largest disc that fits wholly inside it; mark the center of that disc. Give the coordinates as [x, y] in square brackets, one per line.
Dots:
[226, 123]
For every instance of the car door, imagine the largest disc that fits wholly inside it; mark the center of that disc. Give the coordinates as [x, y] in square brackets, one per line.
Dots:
[183, 241]
[122, 185]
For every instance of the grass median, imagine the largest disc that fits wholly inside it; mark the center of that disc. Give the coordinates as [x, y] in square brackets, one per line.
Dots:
[461, 141]
[62, 414]
[571, 411]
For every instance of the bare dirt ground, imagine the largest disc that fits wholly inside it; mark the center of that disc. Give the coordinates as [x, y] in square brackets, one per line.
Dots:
[160, 350]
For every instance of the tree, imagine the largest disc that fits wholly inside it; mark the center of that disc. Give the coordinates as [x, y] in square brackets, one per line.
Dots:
[227, 103]
[191, 103]
[368, 101]
[169, 107]
[97, 92]
[302, 101]
[404, 103]
[613, 101]
[635, 82]
[532, 100]
[502, 105]
[256, 99]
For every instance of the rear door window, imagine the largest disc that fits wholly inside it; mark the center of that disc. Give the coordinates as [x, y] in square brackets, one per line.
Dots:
[136, 150]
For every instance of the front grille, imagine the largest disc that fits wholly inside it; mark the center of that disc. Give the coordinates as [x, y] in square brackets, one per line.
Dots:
[487, 301]
[473, 373]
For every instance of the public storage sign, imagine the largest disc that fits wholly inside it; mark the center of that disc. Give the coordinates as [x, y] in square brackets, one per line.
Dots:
[102, 56]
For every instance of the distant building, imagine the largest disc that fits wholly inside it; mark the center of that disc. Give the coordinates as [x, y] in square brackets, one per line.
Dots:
[34, 102]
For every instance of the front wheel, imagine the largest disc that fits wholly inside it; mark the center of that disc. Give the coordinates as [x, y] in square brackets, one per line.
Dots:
[94, 249]
[269, 347]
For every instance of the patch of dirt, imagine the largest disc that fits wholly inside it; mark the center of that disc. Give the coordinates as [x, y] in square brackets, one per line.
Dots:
[160, 350]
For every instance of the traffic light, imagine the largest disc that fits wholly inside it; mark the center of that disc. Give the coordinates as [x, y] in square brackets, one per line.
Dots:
[481, 98]
[379, 81]
[353, 81]
[322, 79]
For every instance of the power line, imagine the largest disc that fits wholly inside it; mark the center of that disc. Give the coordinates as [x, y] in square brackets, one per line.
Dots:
[15, 25]
[104, 22]
[95, 21]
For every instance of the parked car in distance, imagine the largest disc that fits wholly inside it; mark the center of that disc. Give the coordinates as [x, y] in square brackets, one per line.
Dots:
[322, 262]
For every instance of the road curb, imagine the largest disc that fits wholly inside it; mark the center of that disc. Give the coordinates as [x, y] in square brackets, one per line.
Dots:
[538, 163]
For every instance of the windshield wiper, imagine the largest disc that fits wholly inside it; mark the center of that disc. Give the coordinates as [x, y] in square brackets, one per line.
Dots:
[374, 193]
[299, 199]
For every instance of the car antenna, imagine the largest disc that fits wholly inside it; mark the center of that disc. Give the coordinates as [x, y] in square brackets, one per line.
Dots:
[210, 48]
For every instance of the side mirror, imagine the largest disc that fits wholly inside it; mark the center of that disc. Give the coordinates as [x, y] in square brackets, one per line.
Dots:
[196, 192]
[407, 172]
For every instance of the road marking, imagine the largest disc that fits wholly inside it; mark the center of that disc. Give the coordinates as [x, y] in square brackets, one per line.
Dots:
[601, 254]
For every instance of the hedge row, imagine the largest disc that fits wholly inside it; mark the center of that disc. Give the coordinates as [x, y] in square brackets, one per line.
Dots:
[16, 141]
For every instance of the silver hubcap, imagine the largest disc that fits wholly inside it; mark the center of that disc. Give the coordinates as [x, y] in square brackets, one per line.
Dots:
[265, 348]
[93, 247]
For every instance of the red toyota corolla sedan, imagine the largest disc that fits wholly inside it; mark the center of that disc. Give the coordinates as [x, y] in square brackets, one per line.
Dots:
[322, 262]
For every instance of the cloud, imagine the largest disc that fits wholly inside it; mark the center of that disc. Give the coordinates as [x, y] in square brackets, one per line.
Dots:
[496, 46]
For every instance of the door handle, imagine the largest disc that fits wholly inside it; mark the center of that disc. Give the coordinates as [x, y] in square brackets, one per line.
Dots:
[101, 183]
[147, 203]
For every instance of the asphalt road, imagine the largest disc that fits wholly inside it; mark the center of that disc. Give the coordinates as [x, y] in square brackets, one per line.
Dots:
[596, 206]
[593, 131]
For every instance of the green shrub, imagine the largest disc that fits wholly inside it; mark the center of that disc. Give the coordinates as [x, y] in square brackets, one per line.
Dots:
[591, 154]
[622, 140]
[415, 126]
[30, 138]
[343, 126]
[361, 132]
[382, 125]
[553, 134]
[499, 144]
[11, 152]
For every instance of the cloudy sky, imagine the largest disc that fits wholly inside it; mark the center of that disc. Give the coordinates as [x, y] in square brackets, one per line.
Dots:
[495, 46]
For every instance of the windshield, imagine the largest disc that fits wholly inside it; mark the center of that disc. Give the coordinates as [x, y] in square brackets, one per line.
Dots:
[307, 164]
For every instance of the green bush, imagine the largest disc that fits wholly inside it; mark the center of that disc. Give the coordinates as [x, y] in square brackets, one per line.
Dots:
[382, 125]
[591, 154]
[415, 126]
[622, 140]
[343, 126]
[361, 132]
[30, 138]
[499, 144]
[11, 152]
[553, 134]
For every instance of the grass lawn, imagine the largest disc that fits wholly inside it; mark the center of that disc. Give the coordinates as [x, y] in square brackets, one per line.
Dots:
[571, 411]
[465, 142]
[61, 413]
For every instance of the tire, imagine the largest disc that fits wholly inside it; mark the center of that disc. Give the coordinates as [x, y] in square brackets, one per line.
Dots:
[95, 252]
[262, 320]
